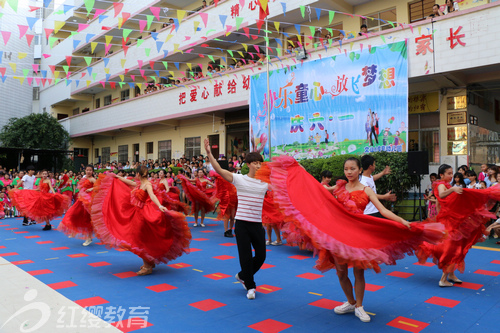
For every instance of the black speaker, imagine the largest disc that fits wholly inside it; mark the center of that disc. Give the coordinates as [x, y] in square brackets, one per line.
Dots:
[418, 163]
[224, 164]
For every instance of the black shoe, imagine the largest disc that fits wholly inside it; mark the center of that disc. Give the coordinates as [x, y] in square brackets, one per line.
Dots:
[26, 223]
[228, 233]
[47, 227]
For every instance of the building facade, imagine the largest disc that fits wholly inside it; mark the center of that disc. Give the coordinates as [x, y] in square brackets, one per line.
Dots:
[151, 79]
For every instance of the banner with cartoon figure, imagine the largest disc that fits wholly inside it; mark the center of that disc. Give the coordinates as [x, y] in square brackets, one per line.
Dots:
[347, 104]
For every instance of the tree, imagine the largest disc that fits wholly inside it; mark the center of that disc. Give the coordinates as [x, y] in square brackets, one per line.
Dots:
[36, 131]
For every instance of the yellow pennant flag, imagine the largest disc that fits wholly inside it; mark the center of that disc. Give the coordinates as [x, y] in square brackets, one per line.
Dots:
[22, 55]
[172, 73]
[263, 3]
[13, 65]
[277, 26]
[351, 44]
[122, 77]
[180, 15]
[108, 39]
[168, 38]
[245, 46]
[21, 79]
[58, 26]
[176, 46]
[56, 74]
[241, 54]
[120, 22]
[189, 66]
[196, 25]
[106, 70]
[88, 82]
[92, 46]
[139, 85]
[123, 63]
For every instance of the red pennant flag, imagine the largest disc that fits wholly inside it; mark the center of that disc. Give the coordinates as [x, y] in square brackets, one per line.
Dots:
[22, 30]
[43, 82]
[139, 62]
[263, 12]
[118, 6]
[247, 32]
[52, 68]
[2, 70]
[125, 16]
[152, 64]
[126, 71]
[125, 49]
[47, 33]
[113, 85]
[68, 60]
[33, 8]
[29, 39]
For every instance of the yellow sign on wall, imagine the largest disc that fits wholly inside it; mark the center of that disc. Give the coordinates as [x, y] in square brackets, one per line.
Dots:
[423, 103]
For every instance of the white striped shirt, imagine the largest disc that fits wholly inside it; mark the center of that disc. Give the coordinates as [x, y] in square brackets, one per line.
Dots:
[251, 194]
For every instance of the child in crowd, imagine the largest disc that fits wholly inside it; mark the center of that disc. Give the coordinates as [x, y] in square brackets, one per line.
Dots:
[458, 180]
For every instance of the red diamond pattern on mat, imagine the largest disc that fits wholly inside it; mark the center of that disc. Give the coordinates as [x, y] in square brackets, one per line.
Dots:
[2, 247]
[267, 289]
[403, 275]
[21, 232]
[78, 255]
[22, 262]
[62, 285]
[11, 228]
[125, 275]
[5, 225]
[200, 239]
[449, 303]
[92, 301]
[161, 287]
[299, 257]
[217, 276]
[28, 237]
[265, 266]
[59, 248]
[212, 225]
[131, 324]
[496, 262]
[228, 244]
[310, 276]
[326, 303]
[372, 287]
[100, 243]
[468, 285]
[9, 254]
[207, 231]
[427, 264]
[40, 272]
[179, 265]
[120, 250]
[485, 272]
[407, 324]
[270, 326]
[193, 250]
[224, 257]
[207, 305]
[99, 264]
[45, 242]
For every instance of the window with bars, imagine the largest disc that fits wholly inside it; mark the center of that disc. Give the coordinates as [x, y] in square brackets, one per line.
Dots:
[423, 134]
[380, 20]
[106, 154]
[107, 100]
[192, 147]
[164, 149]
[149, 147]
[123, 154]
[36, 93]
[98, 103]
[420, 10]
[96, 153]
[125, 94]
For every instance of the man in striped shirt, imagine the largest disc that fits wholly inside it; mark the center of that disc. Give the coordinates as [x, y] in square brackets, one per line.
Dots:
[248, 227]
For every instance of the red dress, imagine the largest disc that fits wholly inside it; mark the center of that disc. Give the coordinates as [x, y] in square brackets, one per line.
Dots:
[76, 222]
[195, 195]
[203, 186]
[226, 193]
[40, 205]
[336, 226]
[270, 211]
[464, 217]
[170, 199]
[128, 219]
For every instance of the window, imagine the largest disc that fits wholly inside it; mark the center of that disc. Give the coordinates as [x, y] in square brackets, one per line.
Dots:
[419, 10]
[125, 94]
[192, 147]
[81, 152]
[98, 103]
[39, 13]
[61, 116]
[107, 100]
[105, 154]
[381, 20]
[37, 40]
[123, 154]
[149, 147]
[36, 93]
[165, 150]
[423, 134]
[96, 153]
[76, 111]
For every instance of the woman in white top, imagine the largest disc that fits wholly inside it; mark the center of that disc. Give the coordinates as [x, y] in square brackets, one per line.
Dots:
[451, 6]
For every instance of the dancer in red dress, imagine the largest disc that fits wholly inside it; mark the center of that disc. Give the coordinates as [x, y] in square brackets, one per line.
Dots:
[272, 219]
[337, 230]
[464, 213]
[200, 202]
[168, 195]
[76, 222]
[41, 205]
[228, 202]
[128, 215]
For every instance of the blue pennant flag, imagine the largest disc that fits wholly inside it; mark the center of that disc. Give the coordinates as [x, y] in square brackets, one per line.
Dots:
[283, 4]
[223, 19]
[157, 73]
[67, 7]
[102, 17]
[176, 23]
[68, 82]
[159, 45]
[44, 74]
[89, 69]
[108, 76]
[75, 43]
[176, 64]
[131, 84]
[165, 53]
[89, 37]
[106, 62]
[77, 83]
[318, 13]
[154, 35]
[46, 3]
[31, 21]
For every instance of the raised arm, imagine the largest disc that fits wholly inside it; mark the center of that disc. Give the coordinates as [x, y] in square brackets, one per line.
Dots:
[386, 171]
[384, 211]
[126, 181]
[443, 192]
[223, 173]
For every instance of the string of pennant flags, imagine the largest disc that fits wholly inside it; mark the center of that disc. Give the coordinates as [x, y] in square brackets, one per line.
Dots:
[146, 25]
